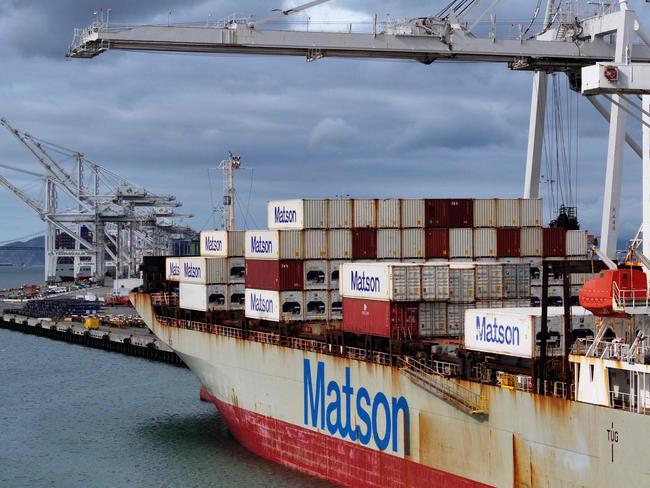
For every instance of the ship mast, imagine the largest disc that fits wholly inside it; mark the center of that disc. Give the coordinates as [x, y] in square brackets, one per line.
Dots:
[229, 166]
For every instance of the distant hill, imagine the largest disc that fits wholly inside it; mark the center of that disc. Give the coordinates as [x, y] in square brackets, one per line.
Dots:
[27, 257]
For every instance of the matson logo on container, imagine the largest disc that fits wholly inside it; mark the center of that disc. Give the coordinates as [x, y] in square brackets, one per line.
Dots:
[173, 269]
[499, 333]
[214, 243]
[192, 270]
[262, 244]
[285, 214]
[262, 304]
[365, 280]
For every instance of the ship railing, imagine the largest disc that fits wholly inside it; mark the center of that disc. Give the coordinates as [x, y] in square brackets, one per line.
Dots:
[263, 337]
[631, 402]
[164, 299]
[630, 300]
[366, 355]
[310, 345]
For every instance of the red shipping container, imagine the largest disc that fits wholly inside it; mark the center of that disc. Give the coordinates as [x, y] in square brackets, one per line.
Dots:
[264, 274]
[461, 213]
[553, 242]
[435, 213]
[508, 242]
[397, 320]
[364, 244]
[437, 243]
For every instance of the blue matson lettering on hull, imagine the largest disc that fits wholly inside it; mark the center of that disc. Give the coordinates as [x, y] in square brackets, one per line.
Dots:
[333, 406]
[284, 216]
[496, 333]
[260, 246]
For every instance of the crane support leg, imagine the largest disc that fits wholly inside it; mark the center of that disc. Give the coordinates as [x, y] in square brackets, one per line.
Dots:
[535, 135]
[645, 188]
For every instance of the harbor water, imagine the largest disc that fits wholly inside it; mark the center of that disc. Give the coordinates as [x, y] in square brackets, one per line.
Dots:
[15, 276]
[72, 416]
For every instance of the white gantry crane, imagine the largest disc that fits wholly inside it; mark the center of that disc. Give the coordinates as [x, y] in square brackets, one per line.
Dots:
[610, 34]
[92, 214]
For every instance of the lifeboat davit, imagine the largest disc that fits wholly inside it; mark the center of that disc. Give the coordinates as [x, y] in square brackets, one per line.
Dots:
[597, 294]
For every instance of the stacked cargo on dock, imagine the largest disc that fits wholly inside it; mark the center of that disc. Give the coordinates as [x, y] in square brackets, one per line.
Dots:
[215, 280]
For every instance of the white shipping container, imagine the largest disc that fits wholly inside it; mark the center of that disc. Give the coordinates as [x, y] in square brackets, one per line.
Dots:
[285, 214]
[203, 298]
[531, 242]
[532, 212]
[388, 214]
[236, 297]
[412, 213]
[462, 281]
[339, 243]
[262, 304]
[236, 270]
[432, 319]
[316, 275]
[413, 243]
[460, 243]
[489, 281]
[335, 305]
[380, 281]
[315, 244]
[365, 213]
[435, 282]
[508, 212]
[334, 267]
[316, 305]
[485, 212]
[389, 244]
[292, 306]
[456, 318]
[485, 243]
[340, 214]
[173, 269]
[205, 271]
[576, 243]
[291, 244]
[316, 214]
[214, 243]
[262, 244]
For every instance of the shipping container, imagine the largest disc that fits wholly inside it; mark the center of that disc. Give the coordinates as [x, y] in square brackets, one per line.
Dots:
[262, 304]
[462, 282]
[413, 244]
[173, 269]
[397, 320]
[381, 281]
[263, 274]
[435, 282]
[388, 214]
[508, 212]
[508, 242]
[413, 213]
[291, 244]
[205, 271]
[516, 281]
[364, 243]
[297, 214]
[531, 242]
[236, 270]
[316, 214]
[432, 319]
[456, 318]
[340, 214]
[334, 267]
[365, 213]
[576, 243]
[335, 305]
[316, 305]
[389, 244]
[339, 243]
[485, 212]
[461, 213]
[437, 243]
[316, 275]
[531, 212]
[554, 242]
[435, 213]
[262, 244]
[236, 296]
[214, 243]
[292, 306]
[315, 244]
[460, 243]
[485, 243]
[203, 298]
[489, 281]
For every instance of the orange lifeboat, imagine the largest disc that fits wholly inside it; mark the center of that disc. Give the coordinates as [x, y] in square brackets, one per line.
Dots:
[597, 294]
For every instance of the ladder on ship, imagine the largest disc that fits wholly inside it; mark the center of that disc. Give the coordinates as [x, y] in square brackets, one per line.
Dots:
[444, 387]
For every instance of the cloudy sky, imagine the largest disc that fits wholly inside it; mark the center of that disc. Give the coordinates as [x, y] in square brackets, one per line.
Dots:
[333, 127]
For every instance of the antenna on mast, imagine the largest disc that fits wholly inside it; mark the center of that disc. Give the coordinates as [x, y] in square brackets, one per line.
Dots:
[229, 166]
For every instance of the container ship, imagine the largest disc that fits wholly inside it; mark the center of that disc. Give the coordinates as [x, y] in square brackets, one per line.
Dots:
[392, 343]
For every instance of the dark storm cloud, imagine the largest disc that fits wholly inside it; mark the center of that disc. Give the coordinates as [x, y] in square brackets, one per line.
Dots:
[334, 127]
